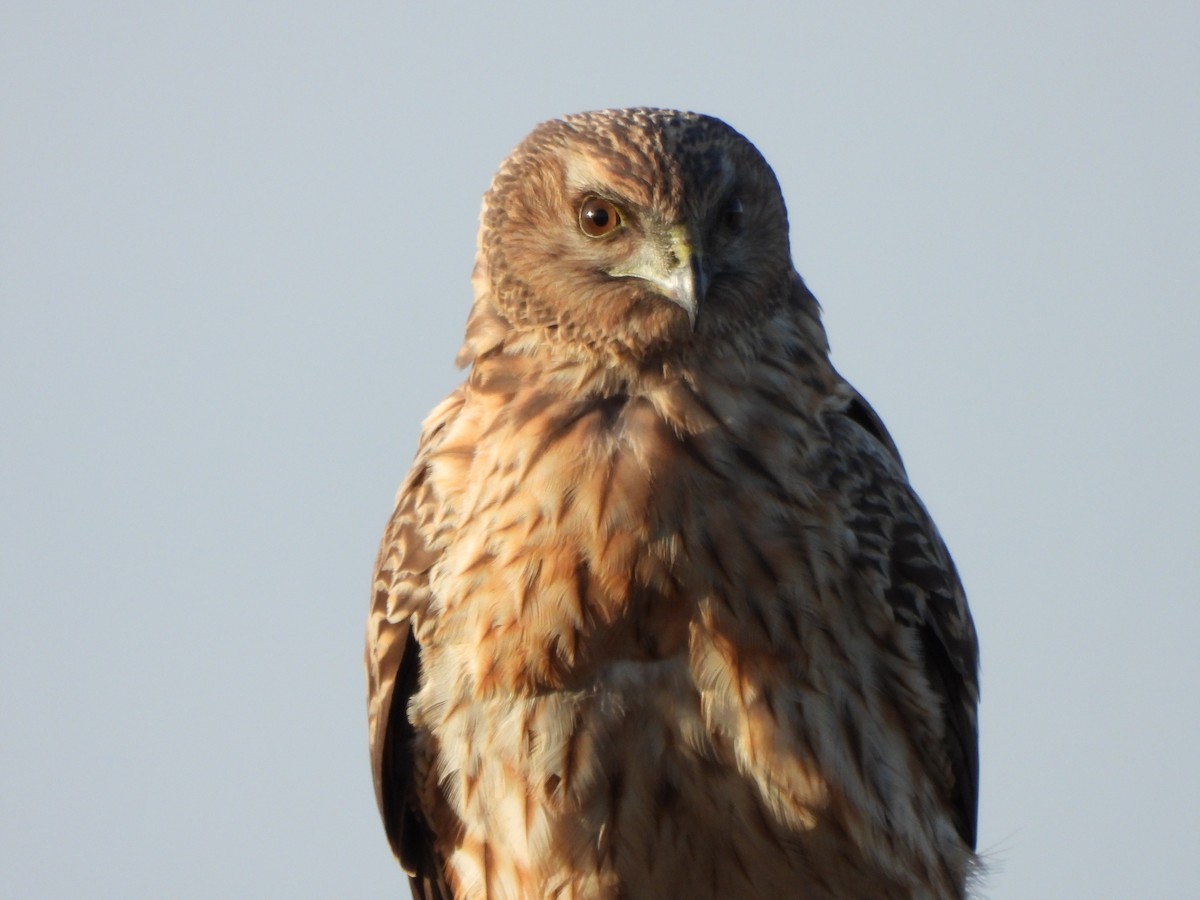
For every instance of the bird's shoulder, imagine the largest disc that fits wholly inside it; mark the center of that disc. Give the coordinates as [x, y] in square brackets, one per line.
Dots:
[907, 562]
[401, 594]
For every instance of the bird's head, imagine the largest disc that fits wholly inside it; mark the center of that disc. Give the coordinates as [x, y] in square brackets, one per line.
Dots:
[639, 232]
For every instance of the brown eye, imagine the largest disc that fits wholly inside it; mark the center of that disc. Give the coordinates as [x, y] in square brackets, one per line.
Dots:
[598, 217]
[732, 215]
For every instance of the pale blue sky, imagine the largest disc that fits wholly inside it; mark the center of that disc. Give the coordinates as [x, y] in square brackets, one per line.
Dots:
[235, 247]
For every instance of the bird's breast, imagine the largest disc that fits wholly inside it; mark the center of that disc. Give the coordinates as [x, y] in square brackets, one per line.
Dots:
[587, 532]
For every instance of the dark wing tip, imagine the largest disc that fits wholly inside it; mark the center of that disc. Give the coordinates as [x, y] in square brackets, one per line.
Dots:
[408, 832]
[961, 742]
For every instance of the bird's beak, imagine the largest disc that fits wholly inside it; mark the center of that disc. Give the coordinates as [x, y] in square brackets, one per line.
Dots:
[684, 282]
[675, 268]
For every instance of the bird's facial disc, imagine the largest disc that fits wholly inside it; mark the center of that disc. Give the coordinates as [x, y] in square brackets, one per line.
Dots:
[678, 239]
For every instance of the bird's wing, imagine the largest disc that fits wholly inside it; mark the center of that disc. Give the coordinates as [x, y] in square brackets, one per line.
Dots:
[922, 587]
[393, 660]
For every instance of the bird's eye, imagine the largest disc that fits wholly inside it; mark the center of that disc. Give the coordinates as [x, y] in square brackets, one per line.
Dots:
[598, 217]
[732, 215]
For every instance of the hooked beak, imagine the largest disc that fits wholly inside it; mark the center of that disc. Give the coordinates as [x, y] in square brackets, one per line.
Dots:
[684, 283]
[676, 270]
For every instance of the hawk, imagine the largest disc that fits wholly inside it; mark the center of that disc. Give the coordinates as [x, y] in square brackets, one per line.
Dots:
[658, 613]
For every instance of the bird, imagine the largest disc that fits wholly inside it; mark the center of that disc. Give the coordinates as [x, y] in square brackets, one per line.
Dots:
[658, 613]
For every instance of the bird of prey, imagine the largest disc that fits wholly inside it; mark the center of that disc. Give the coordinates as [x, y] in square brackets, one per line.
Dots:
[658, 613]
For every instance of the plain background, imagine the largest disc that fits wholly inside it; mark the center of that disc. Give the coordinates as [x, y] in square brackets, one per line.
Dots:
[235, 246]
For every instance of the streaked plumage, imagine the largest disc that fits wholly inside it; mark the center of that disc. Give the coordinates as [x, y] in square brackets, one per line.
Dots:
[658, 613]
